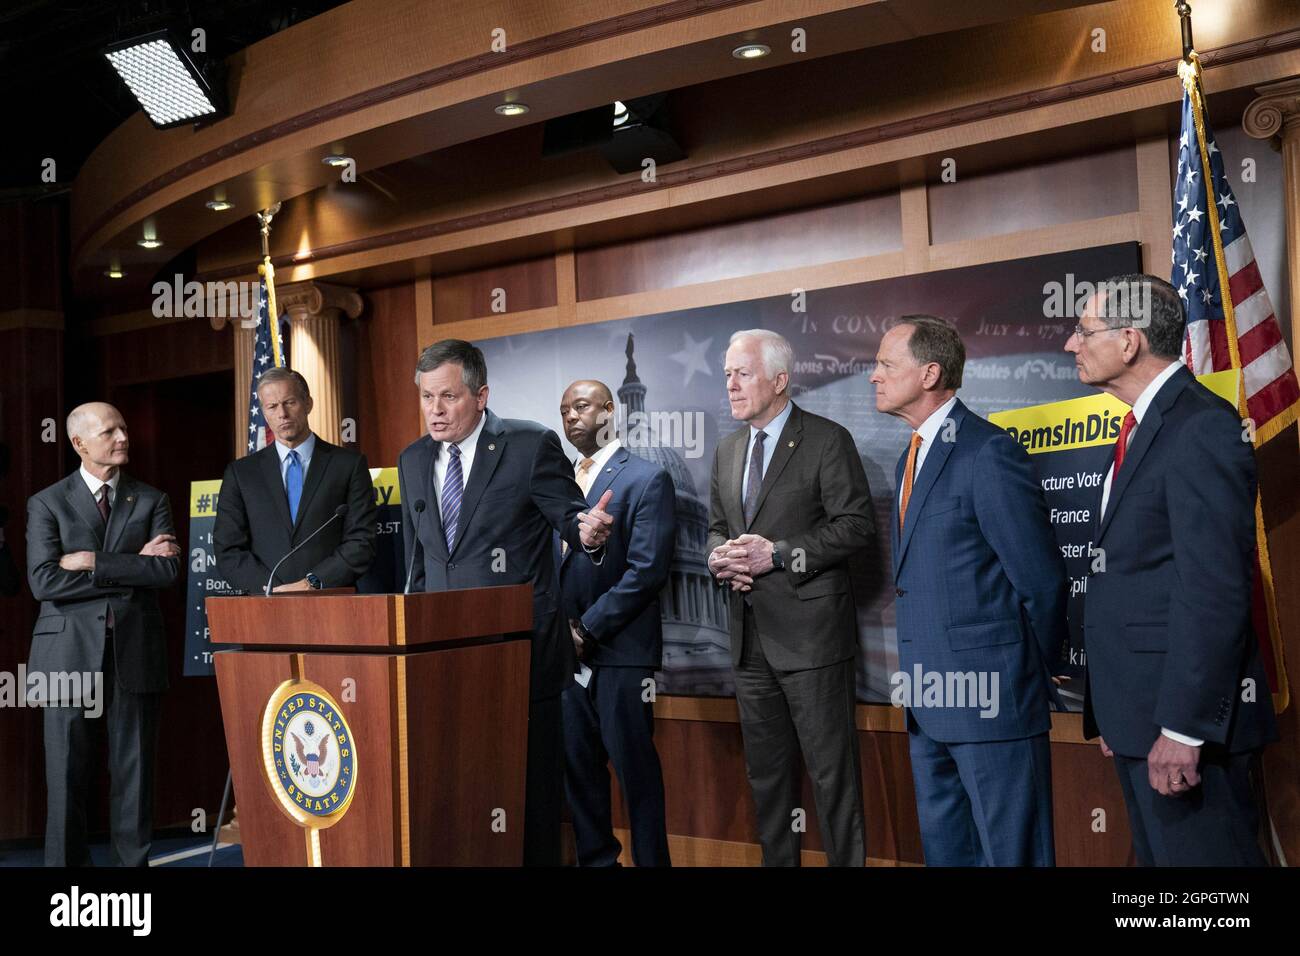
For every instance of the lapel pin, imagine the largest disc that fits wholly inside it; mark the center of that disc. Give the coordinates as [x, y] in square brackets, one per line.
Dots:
[492, 447]
[791, 442]
[130, 498]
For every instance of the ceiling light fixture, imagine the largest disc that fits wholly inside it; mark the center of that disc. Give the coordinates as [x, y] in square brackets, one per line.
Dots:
[512, 109]
[751, 51]
[160, 73]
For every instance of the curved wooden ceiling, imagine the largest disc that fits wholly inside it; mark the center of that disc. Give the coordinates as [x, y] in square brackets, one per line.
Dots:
[394, 82]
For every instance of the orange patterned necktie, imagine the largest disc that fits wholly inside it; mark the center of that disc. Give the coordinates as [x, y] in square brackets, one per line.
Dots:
[909, 473]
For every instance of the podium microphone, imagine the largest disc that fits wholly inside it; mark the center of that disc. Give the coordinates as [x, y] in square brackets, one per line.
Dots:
[339, 512]
[415, 533]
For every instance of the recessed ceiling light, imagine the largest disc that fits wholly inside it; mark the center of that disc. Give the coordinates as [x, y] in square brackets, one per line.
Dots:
[336, 160]
[114, 272]
[148, 243]
[751, 51]
[512, 109]
[219, 205]
[620, 113]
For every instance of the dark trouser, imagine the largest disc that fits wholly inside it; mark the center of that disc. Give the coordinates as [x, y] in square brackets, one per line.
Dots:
[544, 785]
[608, 722]
[72, 743]
[1213, 824]
[987, 803]
[782, 713]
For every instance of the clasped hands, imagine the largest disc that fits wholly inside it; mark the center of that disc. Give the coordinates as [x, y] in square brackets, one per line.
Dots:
[740, 560]
[162, 546]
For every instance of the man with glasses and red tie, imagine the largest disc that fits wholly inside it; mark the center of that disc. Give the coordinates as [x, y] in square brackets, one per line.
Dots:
[100, 545]
[1176, 689]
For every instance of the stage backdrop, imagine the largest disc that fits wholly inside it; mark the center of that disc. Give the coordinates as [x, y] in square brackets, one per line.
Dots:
[666, 371]
[203, 580]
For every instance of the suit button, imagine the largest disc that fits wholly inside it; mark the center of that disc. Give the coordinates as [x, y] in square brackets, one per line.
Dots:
[451, 567]
[899, 592]
[101, 617]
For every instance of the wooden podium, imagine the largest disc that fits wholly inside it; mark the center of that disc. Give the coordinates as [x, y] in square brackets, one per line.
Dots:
[427, 750]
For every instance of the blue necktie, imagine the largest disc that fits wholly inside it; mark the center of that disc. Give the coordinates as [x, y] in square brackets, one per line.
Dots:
[293, 484]
[453, 489]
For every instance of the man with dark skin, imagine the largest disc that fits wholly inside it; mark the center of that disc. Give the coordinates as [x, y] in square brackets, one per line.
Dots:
[612, 608]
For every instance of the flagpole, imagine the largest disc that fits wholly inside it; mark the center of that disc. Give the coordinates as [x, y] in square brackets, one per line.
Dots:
[267, 271]
[1189, 71]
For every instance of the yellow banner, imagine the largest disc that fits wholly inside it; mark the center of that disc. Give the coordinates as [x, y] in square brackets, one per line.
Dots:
[1085, 422]
[204, 494]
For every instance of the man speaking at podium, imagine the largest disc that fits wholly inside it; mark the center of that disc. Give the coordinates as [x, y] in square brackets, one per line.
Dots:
[271, 502]
[492, 490]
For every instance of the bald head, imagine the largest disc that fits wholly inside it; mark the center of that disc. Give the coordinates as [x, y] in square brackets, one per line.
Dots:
[97, 432]
[587, 411]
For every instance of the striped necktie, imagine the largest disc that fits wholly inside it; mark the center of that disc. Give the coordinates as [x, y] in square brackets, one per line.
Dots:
[453, 489]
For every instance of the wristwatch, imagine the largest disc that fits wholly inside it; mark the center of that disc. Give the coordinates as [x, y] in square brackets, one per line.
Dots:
[314, 581]
[778, 562]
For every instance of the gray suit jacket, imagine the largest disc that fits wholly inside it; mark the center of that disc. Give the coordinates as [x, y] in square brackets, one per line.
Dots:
[520, 488]
[69, 633]
[815, 505]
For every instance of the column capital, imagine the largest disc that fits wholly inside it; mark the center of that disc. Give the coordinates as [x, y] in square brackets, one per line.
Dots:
[1277, 108]
[311, 298]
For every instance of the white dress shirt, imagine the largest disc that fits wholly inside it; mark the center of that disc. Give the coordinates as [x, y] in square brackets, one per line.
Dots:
[773, 431]
[305, 451]
[1139, 411]
[467, 445]
[929, 431]
[94, 484]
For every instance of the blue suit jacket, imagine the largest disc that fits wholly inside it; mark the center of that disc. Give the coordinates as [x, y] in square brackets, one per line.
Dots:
[981, 584]
[618, 599]
[1167, 624]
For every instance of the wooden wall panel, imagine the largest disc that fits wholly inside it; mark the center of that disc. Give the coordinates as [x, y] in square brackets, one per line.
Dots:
[387, 412]
[708, 797]
[1048, 193]
[31, 390]
[171, 350]
[847, 230]
[527, 285]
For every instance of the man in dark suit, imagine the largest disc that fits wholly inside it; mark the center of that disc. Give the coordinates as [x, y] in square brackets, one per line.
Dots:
[789, 504]
[496, 488]
[1175, 685]
[99, 547]
[275, 499]
[613, 613]
[980, 603]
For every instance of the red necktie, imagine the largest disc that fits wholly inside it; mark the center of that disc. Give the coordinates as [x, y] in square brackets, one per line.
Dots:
[1121, 446]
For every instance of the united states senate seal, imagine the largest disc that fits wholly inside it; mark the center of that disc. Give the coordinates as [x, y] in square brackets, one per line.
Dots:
[310, 756]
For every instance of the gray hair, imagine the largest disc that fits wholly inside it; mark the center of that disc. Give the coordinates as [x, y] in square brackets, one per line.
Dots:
[279, 374]
[473, 367]
[1149, 304]
[778, 354]
[937, 341]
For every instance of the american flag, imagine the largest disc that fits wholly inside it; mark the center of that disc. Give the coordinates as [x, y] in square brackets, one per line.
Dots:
[1236, 330]
[267, 353]
[1211, 246]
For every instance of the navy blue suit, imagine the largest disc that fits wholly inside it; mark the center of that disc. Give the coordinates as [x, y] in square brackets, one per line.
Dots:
[519, 489]
[981, 591]
[611, 720]
[1167, 626]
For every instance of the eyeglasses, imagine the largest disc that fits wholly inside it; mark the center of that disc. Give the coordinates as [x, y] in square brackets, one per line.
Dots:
[1083, 333]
